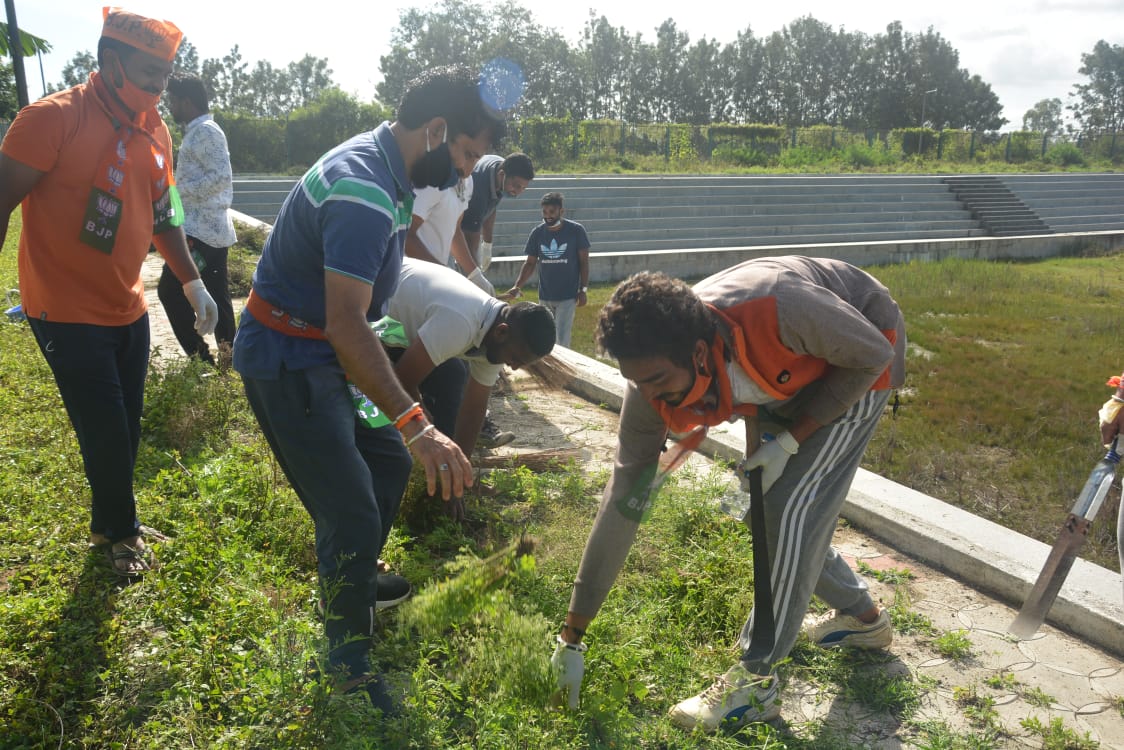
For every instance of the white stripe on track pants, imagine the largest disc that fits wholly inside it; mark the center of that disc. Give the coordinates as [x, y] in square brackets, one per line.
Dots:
[801, 511]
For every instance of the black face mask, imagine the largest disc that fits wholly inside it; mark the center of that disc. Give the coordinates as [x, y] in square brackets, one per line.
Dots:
[435, 168]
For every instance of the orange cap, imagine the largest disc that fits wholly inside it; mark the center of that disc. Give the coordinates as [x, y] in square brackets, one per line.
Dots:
[157, 38]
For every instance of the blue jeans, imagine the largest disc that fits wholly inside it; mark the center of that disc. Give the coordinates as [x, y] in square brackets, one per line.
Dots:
[100, 373]
[350, 479]
[563, 311]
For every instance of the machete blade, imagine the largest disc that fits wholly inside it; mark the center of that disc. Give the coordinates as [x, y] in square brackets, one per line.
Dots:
[1050, 580]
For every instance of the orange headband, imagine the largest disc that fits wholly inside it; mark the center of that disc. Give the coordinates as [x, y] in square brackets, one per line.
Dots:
[158, 38]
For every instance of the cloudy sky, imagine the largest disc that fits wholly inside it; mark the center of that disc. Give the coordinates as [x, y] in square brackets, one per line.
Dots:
[1027, 50]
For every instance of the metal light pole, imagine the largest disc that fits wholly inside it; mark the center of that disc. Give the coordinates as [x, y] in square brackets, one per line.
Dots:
[16, 49]
[921, 135]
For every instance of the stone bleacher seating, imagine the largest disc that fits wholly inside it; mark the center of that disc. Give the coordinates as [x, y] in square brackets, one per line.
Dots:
[631, 213]
[1073, 202]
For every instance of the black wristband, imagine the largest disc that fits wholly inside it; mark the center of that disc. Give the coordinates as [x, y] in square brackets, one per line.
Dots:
[576, 631]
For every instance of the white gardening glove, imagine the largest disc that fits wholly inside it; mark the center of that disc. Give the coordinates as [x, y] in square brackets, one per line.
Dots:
[568, 664]
[771, 458]
[206, 311]
[485, 255]
[477, 277]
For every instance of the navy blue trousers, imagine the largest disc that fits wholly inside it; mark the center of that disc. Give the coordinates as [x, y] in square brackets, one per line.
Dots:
[350, 479]
[100, 373]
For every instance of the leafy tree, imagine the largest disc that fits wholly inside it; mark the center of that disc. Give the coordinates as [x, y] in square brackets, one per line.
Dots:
[744, 60]
[885, 78]
[29, 43]
[979, 108]
[452, 32]
[551, 68]
[607, 54]
[849, 91]
[268, 91]
[307, 79]
[706, 93]
[1045, 117]
[1100, 102]
[668, 93]
[227, 79]
[187, 58]
[806, 74]
[9, 97]
[78, 69]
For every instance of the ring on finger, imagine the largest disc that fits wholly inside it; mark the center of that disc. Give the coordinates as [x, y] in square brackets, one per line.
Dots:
[443, 467]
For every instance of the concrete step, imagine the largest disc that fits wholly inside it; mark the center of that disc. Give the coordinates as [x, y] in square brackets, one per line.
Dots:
[1080, 225]
[1003, 226]
[607, 234]
[638, 245]
[710, 210]
[664, 220]
[694, 211]
[1098, 199]
[1083, 214]
[1022, 232]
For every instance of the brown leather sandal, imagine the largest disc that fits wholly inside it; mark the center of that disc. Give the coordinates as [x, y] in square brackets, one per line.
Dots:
[121, 555]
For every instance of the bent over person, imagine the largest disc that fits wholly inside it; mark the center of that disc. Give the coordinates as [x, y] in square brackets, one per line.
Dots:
[803, 348]
[328, 269]
[92, 168]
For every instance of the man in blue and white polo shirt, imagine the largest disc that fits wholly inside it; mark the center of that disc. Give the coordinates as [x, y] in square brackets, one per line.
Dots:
[329, 267]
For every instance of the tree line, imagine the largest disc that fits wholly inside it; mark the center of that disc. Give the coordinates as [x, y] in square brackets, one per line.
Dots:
[805, 74]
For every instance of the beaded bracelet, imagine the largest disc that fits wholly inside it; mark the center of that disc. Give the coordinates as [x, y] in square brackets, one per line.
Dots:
[421, 432]
[414, 412]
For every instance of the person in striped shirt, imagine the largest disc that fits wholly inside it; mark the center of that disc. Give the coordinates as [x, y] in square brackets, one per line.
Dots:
[328, 269]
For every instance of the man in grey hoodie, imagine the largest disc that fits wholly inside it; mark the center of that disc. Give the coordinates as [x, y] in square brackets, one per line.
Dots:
[804, 348]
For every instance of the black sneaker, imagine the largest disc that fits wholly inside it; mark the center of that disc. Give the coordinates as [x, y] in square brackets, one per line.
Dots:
[491, 436]
[375, 688]
[393, 590]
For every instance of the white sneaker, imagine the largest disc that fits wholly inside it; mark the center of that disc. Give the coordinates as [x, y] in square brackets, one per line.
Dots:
[834, 630]
[736, 698]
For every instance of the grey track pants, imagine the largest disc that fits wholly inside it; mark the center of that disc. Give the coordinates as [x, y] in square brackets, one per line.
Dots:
[801, 510]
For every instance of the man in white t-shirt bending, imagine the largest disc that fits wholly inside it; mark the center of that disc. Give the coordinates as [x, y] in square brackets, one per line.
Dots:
[448, 321]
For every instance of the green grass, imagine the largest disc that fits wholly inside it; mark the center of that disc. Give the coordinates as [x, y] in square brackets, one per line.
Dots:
[1057, 736]
[220, 648]
[953, 644]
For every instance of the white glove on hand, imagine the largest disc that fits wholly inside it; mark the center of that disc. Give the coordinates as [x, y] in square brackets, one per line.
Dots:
[206, 311]
[771, 458]
[485, 255]
[477, 277]
[568, 664]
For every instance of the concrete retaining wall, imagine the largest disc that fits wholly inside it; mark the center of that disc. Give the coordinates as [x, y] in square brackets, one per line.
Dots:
[701, 262]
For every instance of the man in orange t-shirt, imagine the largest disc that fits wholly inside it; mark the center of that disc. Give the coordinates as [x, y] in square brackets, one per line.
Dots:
[91, 168]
